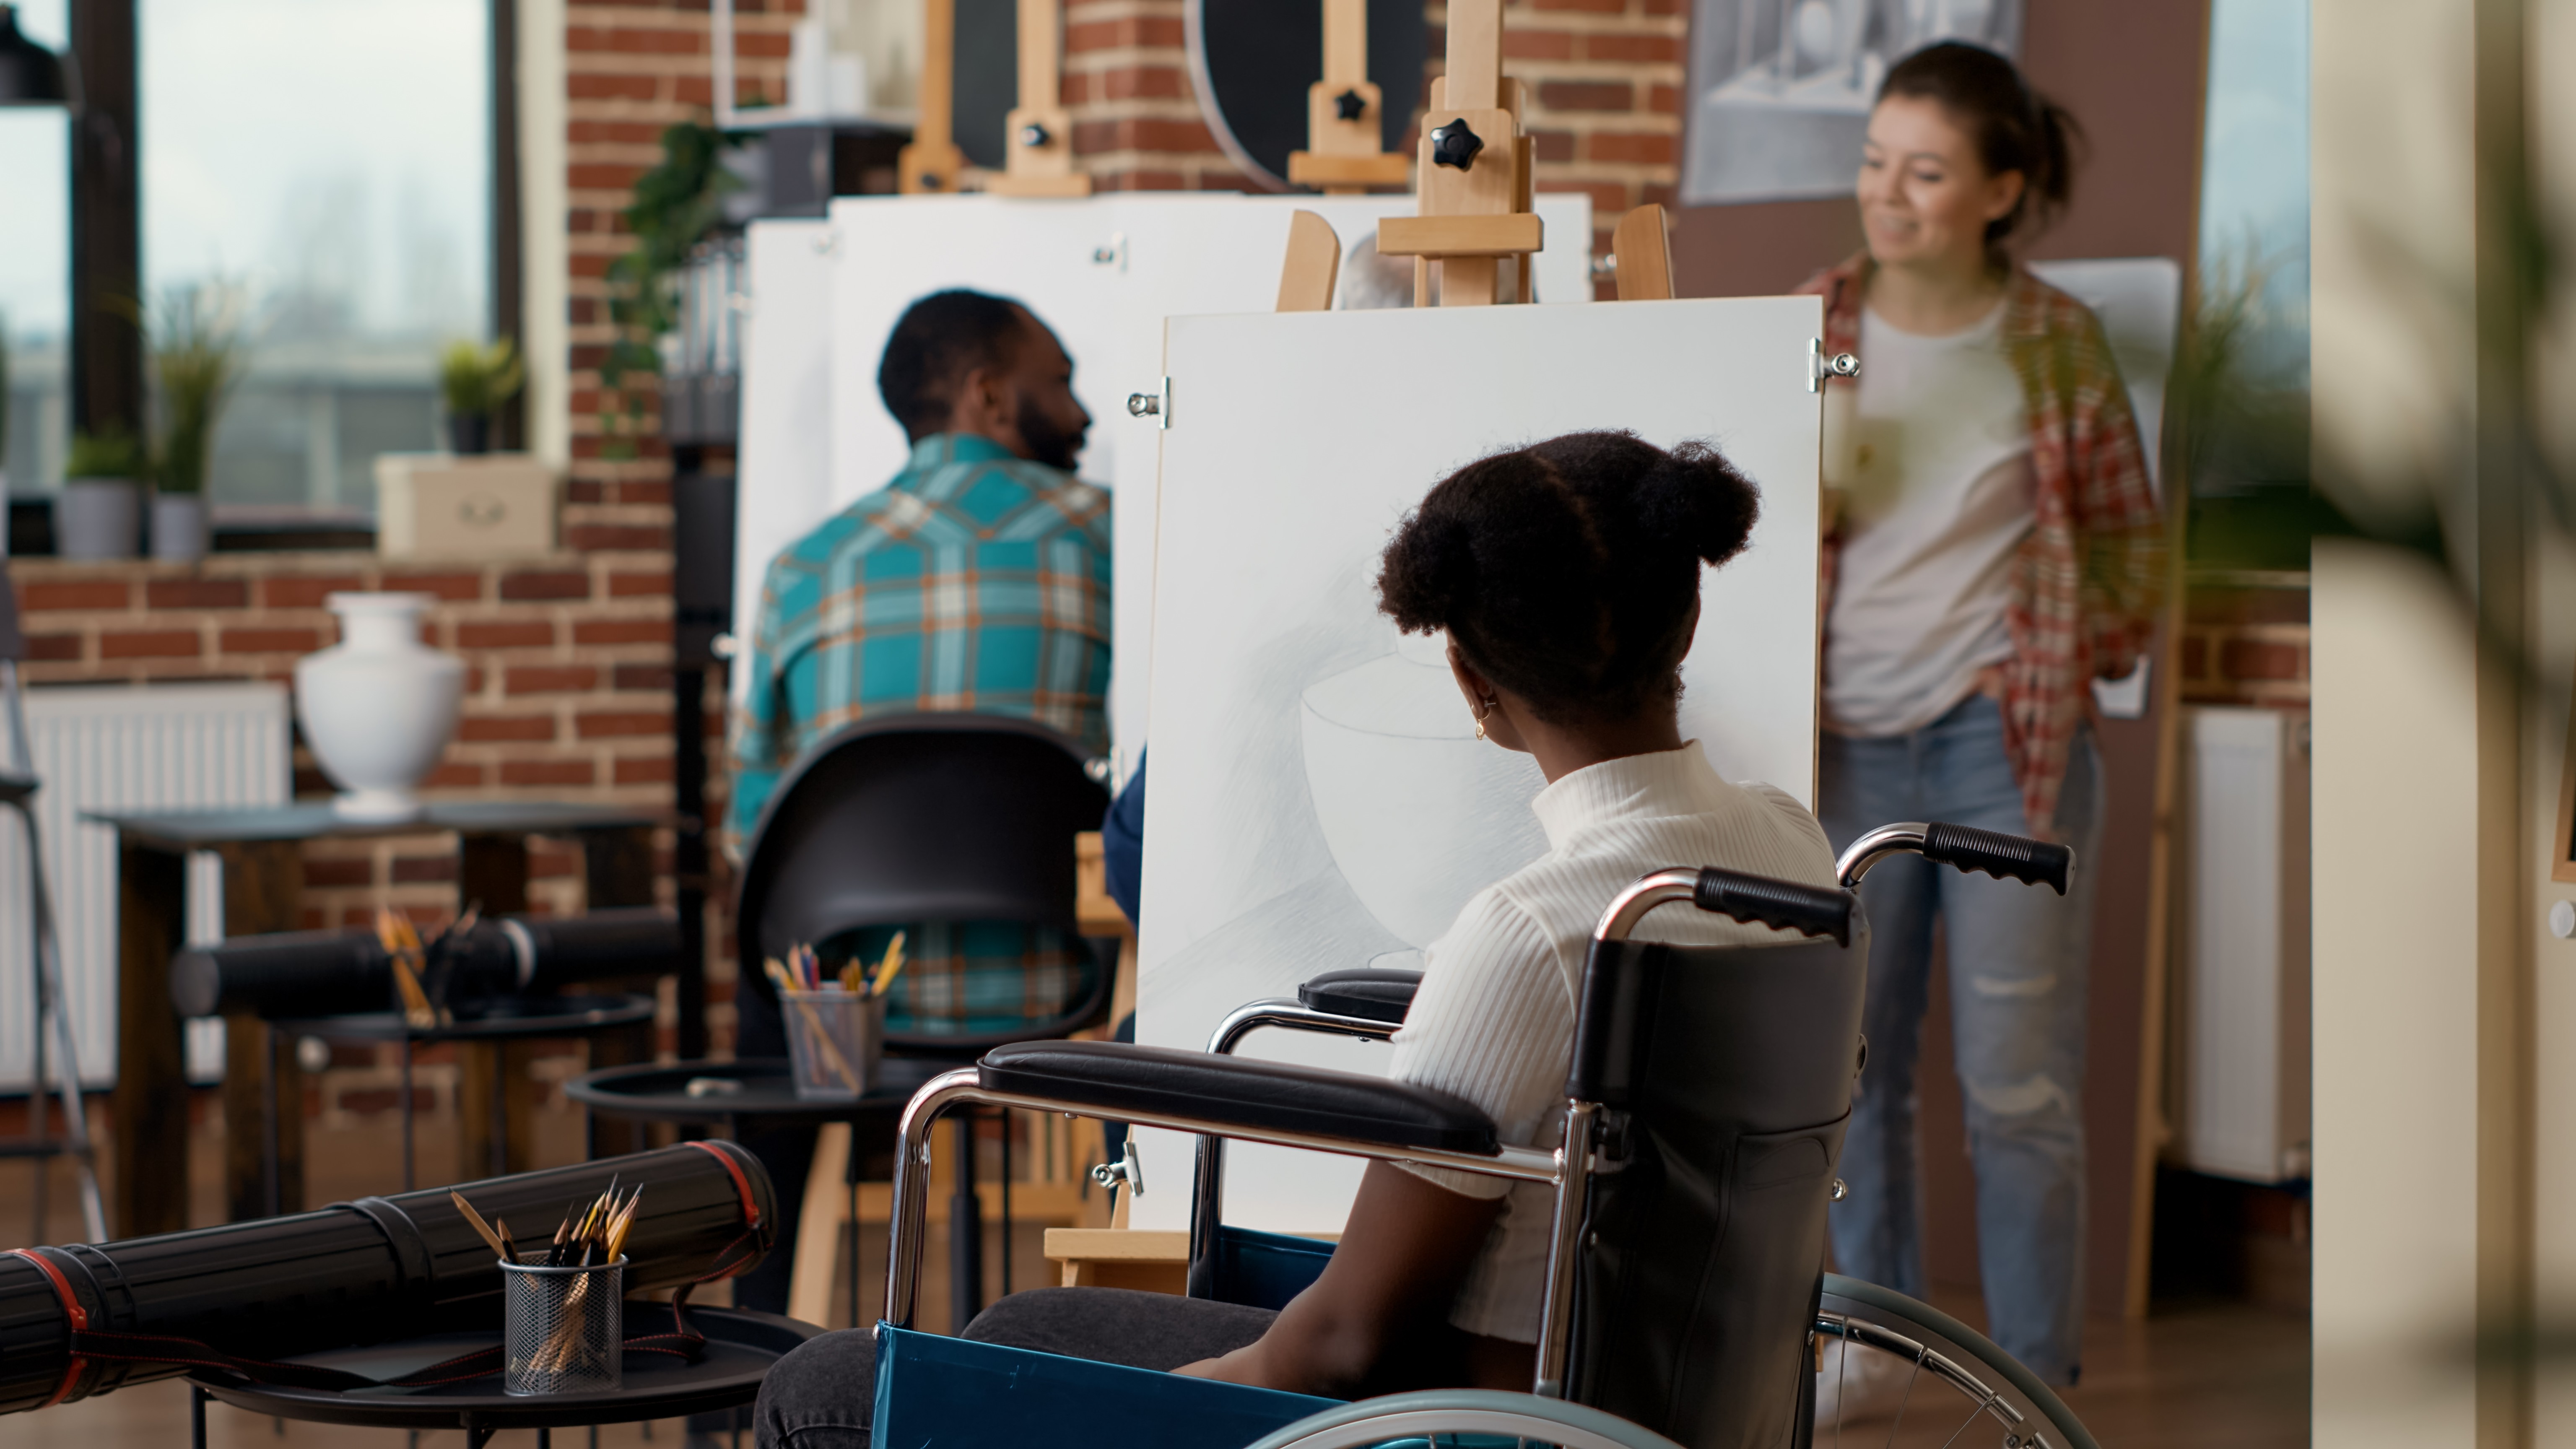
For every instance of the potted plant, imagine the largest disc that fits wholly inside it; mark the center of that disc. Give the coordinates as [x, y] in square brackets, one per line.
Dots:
[196, 355]
[100, 512]
[475, 380]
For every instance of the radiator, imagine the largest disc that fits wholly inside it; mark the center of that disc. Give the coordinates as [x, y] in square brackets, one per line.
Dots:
[2243, 988]
[125, 747]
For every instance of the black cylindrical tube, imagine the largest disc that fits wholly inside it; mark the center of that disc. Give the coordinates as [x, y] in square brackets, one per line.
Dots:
[302, 975]
[358, 1272]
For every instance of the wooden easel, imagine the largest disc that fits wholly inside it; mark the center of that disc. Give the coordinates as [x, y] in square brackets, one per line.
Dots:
[1343, 113]
[932, 162]
[1040, 158]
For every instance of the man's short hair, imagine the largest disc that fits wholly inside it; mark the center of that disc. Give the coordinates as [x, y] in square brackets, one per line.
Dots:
[939, 340]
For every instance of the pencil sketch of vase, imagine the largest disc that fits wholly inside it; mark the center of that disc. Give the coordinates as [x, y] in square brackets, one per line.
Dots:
[1418, 813]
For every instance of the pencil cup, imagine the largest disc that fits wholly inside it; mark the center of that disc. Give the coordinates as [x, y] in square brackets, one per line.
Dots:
[563, 1329]
[834, 1041]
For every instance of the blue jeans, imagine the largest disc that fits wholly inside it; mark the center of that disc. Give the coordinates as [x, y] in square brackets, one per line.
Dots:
[2018, 957]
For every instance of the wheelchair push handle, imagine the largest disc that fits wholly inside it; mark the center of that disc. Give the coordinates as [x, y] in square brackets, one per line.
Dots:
[1761, 901]
[1962, 847]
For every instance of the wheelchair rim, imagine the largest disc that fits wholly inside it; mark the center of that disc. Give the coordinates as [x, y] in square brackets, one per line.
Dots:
[1464, 1411]
[1996, 1385]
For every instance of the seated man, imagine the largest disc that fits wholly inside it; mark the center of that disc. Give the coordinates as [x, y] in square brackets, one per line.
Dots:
[978, 581]
[1566, 576]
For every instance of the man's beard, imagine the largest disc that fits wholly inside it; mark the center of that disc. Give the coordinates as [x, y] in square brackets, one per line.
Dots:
[1046, 442]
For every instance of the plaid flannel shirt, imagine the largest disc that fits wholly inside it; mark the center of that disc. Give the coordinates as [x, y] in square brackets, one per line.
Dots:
[975, 581]
[2087, 583]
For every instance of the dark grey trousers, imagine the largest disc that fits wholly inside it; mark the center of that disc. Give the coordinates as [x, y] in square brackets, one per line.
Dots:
[823, 1395]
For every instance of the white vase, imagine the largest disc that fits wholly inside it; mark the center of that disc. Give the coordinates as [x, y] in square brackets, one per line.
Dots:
[378, 706]
[97, 518]
[179, 532]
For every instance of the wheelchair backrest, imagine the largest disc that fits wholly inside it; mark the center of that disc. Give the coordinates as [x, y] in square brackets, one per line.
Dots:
[1701, 1255]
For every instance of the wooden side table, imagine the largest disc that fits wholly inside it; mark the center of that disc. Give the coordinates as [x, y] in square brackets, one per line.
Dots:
[263, 884]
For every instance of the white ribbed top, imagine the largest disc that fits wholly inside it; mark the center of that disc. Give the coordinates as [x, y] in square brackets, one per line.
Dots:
[1494, 1019]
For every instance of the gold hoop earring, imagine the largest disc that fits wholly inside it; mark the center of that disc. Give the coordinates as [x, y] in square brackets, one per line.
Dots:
[1484, 707]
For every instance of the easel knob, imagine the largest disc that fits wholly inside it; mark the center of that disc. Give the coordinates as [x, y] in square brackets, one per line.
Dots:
[1034, 135]
[1455, 144]
[1350, 106]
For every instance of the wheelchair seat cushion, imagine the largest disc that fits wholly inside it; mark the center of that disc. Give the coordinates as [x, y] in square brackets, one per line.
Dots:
[1231, 1092]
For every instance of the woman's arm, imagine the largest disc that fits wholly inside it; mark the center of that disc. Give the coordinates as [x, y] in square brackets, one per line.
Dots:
[1380, 1312]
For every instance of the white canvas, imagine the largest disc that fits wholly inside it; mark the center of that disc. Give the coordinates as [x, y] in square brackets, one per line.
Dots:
[1318, 797]
[1104, 272]
[785, 480]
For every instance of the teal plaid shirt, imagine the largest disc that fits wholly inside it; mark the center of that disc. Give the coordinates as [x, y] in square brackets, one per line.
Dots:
[975, 581]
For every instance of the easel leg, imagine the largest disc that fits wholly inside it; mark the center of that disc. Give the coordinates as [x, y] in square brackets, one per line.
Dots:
[965, 1233]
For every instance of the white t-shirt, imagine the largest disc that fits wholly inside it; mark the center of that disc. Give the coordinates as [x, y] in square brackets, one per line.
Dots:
[1493, 1021]
[1940, 498]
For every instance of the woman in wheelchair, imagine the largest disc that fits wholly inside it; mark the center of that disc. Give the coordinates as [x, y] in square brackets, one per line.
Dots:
[1566, 576]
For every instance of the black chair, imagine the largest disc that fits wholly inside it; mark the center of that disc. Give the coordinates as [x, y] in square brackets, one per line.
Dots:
[895, 821]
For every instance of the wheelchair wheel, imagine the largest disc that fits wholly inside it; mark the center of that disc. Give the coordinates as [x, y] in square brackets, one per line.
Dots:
[1440, 1418]
[1941, 1379]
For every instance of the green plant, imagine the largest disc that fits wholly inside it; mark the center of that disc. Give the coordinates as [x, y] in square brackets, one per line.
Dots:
[110, 452]
[476, 379]
[676, 204]
[197, 357]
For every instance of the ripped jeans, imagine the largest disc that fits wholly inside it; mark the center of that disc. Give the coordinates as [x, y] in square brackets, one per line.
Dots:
[2018, 957]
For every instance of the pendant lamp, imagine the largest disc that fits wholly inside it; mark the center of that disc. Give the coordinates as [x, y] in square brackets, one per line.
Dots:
[30, 75]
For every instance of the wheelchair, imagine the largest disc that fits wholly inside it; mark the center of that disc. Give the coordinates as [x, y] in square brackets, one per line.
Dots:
[1684, 1300]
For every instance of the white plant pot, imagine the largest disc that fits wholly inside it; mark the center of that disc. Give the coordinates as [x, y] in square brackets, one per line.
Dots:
[179, 527]
[378, 706]
[98, 518]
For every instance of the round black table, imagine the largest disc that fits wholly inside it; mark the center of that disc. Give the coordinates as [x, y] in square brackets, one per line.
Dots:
[741, 1346]
[505, 1019]
[763, 1087]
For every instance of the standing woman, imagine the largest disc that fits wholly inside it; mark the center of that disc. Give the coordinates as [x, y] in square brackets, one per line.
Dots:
[1997, 549]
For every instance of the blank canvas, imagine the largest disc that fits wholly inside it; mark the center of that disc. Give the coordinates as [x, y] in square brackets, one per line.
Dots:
[1318, 798]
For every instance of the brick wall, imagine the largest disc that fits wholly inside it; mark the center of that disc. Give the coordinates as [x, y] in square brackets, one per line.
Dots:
[2245, 641]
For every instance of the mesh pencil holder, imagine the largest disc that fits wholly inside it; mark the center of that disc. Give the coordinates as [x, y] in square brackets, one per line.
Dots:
[563, 1329]
[835, 1042]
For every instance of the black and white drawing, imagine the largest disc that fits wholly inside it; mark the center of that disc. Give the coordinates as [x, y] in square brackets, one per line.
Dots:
[1781, 89]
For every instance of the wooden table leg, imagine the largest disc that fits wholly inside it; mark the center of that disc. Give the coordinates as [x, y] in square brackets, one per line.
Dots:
[150, 1141]
[263, 892]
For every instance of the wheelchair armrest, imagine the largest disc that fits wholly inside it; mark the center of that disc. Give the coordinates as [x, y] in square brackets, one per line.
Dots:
[1364, 992]
[1219, 1092]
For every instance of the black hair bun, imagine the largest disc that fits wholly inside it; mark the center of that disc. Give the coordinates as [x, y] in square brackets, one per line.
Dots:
[1696, 498]
[1428, 573]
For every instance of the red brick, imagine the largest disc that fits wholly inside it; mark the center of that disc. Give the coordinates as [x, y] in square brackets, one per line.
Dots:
[524, 587]
[622, 631]
[327, 873]
[53, 648]
[653, 771]
[196, 594]
[546, 772]
[1522, 43]
[150, 644]
[1609, 201]
[1142, 133]
[269, 641]
[602, 175]
[450, 588]
[550, 679]
[1568, 95]
[626, 537]
[1139, 32]
[1652, 148]
[306, 591]
[641, 676]
[2261, 659]
[483, 729]
[613, 724]
[1665, 100]
[417, 869]
[585, 490]
[752, 45]
[638, 40]
[592, 86]
[633, 586]
[75, 594]
[504, 634]
[1605, 45]
[1597, 7]
[1552, 145]
[616, 133]
[649, 492]
[1145, 83]
[455, 775]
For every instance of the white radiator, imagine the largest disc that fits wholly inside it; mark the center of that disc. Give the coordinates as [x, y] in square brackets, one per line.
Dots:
[125, 747]
[2244, 1090]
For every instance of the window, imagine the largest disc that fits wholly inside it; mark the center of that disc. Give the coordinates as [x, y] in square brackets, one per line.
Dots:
[333, 160]
[35, 274]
